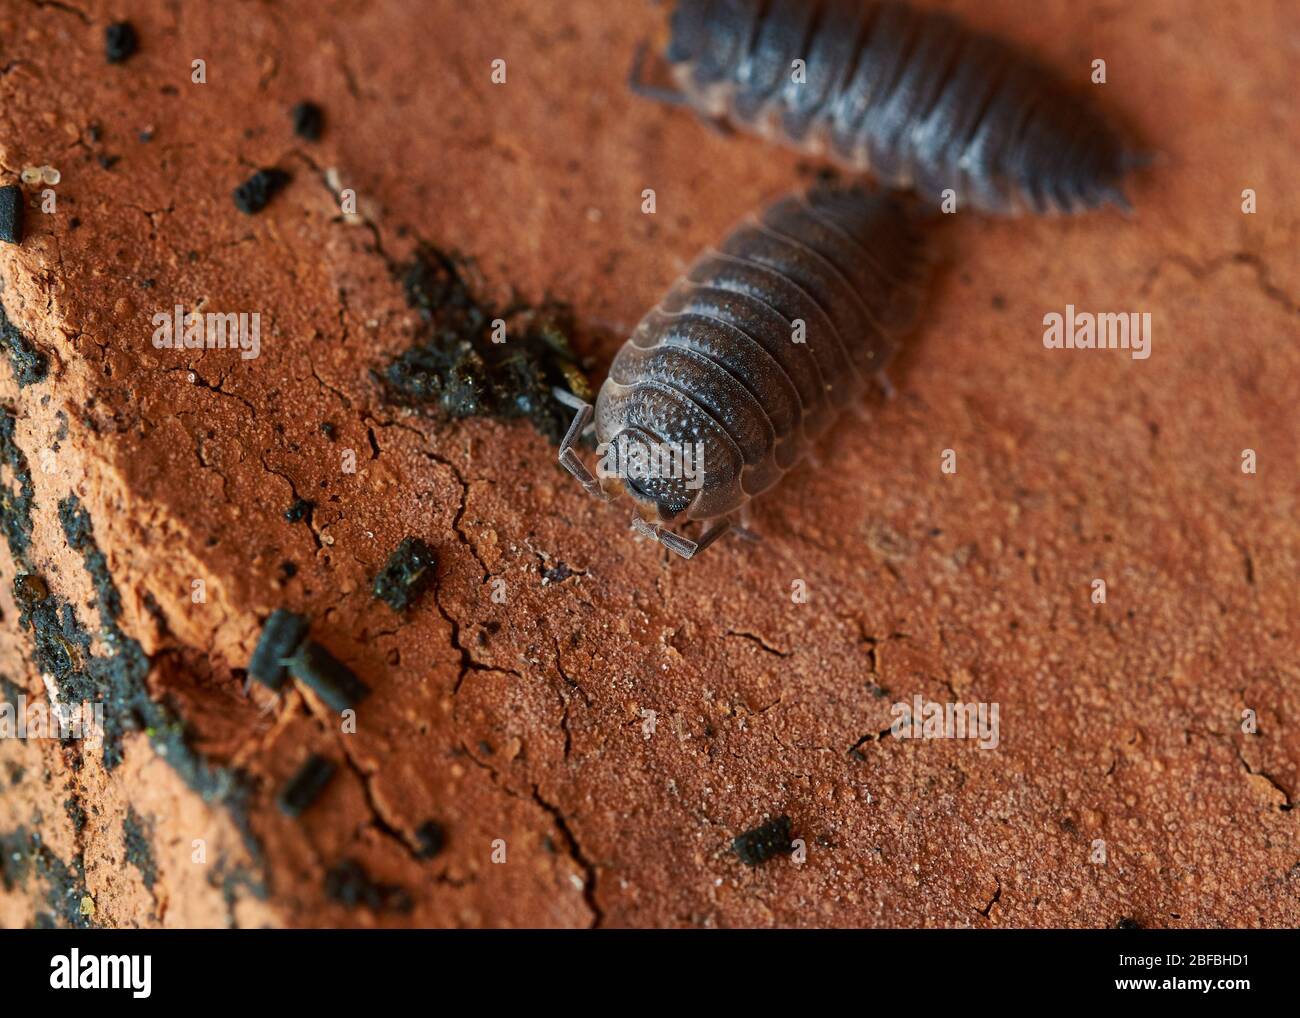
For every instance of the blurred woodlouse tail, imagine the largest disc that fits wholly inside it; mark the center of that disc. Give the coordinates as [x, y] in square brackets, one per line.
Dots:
[910, 96]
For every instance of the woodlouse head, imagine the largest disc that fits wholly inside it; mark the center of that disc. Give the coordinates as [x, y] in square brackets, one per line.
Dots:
[658, 477]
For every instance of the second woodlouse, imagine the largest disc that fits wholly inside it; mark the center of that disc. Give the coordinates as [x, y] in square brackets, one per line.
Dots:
[911, 96]
[750, 357]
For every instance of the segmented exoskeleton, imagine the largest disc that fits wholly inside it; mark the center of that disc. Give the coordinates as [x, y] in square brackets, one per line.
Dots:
[909, 95]
[751, 356]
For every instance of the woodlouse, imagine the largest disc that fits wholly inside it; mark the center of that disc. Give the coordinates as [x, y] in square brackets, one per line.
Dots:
[750, 357]
[910, 95]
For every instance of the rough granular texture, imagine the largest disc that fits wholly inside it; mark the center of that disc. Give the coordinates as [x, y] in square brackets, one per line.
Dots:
[590, 722]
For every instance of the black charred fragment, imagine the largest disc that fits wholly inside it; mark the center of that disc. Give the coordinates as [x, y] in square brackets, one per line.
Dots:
[30, 590]
[76, 814]
[77, 529]
[138, 851]
[305, 787]
[459, 370]
[118, 680]
[16, 503]
[282, 633]
[556, 574]
[348, 884]
[764, 842]
[28, 363]
[11, 214]
[300, 510]
[120, 42]
[308, 120]
[432, 837]
[14, 859]
[333, 681]
[255, 193]
[409, 570]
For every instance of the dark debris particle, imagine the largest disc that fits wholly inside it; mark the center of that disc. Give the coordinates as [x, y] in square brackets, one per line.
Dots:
[282, 633]
[556, 574]
[107, 162]
[299, 511]
[76, 813]
[328, 430]
[308, 120]
[432, 838]
[30, 589]
[305, 787]
[11, 214]
[457, 369]
[764, 842]
[333, 681]
[1128, 923]
[28, 363]
[410, 568]
[348, 884]
[255, 193]
[138, 851]
[120, 42]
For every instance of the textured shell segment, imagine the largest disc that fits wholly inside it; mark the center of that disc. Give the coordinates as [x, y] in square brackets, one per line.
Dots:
[911, 96]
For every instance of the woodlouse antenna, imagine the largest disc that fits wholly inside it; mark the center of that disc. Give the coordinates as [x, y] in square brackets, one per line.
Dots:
[569, 458]
[638, 85]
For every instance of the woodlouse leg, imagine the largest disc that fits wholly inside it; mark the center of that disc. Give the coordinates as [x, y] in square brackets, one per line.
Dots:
[573, 403]
[669, 94]
[683, 546]
[637, 84]
[740, 527]
[571, 461]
